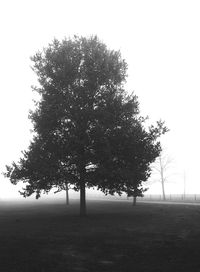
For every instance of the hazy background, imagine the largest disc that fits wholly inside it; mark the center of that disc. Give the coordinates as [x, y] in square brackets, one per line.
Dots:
[160, 40]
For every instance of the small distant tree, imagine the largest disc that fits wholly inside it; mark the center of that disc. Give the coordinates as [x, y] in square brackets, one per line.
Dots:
[161, 170]
[139, 166]
[87, 129]
[137, 192]
[65, 187]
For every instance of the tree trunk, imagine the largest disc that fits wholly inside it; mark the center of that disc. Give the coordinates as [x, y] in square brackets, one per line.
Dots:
[163, 187]
[163, 190]
[67, 194]
[162, 180]
[82, 190]
[134, 200]
[82, 180]
[82, 198]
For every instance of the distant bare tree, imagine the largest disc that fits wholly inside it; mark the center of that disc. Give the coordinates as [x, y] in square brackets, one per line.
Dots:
[161, 171]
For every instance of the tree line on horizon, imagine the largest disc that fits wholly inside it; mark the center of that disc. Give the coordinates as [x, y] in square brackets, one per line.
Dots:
[87, 129]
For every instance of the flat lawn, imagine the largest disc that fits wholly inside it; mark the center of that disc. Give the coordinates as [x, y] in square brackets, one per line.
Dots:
[115, 236]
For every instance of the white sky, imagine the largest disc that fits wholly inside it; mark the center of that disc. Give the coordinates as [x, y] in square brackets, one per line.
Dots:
[160, 41]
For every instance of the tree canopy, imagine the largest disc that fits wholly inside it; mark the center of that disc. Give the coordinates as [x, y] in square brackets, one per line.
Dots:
[87, 129]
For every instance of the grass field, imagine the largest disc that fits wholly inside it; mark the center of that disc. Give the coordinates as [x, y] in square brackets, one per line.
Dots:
[115, 236]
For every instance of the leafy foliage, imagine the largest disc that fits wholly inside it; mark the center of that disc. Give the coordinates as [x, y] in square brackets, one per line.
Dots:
[87, 129]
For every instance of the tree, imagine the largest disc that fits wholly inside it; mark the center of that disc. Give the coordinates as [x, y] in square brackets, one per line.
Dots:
[137, 192]
[87, 130]
[145, 151]
[67, 193]
[161, 170]
[64, 187]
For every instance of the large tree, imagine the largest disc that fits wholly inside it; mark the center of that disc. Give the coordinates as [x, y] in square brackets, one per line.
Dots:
[87, 130]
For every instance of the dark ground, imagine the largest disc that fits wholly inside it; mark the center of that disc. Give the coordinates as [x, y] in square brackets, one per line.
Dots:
[115, 236]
